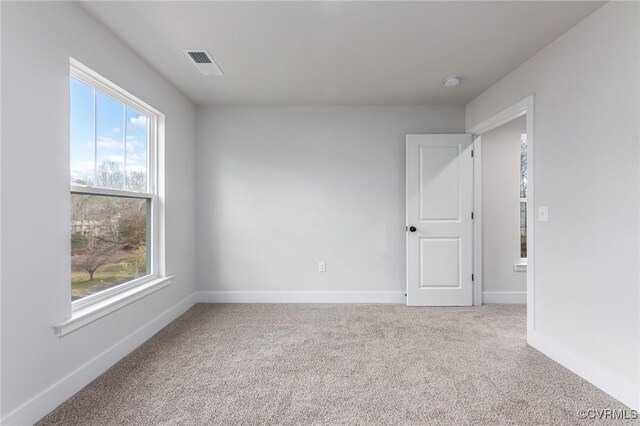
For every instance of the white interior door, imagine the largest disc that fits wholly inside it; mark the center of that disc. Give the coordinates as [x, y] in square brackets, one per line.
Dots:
[439, 220]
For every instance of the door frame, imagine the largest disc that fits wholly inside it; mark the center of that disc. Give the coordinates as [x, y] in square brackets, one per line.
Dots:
[520, 108]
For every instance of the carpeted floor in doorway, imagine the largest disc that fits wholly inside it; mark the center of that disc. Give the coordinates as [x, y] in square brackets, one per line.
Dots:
[336, 364]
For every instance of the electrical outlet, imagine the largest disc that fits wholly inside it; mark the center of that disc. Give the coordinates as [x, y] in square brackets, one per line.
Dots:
[322, 266]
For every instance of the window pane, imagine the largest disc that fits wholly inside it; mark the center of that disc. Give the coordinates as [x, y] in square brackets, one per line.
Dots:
[108, 242]
[109, 142]
[82, 133]
[523, 229]
[523, 166]
[136, 155]
[523, 196]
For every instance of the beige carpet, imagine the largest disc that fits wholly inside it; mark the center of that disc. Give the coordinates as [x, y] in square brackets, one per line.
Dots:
[336, 364]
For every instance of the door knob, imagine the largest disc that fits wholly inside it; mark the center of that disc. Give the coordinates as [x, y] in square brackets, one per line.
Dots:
[412, 229]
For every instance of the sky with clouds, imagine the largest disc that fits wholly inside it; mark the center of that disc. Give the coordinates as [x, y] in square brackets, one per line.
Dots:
[117, 133]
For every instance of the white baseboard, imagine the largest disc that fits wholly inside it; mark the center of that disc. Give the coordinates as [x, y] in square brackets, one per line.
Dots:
[300, 297]
[43, 403]
[595, 374]
[516, 297]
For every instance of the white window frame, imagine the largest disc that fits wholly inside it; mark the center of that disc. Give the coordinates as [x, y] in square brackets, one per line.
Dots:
[99, 83]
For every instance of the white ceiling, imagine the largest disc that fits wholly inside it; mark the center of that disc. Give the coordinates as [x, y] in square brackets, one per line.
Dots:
[338, 52]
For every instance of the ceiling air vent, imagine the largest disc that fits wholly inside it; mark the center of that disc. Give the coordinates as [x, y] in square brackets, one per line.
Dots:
[204, 62]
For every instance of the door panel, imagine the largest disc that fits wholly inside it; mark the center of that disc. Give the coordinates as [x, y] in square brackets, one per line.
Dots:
[439, 205]
[439, 183]
[439, 262]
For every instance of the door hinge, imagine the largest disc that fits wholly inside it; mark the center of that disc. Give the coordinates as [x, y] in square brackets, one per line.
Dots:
[471, 153]
[472, 277]
[471, 215]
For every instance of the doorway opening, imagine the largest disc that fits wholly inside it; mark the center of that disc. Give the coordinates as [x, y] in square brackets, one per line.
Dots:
[501, 156]
[504, 202]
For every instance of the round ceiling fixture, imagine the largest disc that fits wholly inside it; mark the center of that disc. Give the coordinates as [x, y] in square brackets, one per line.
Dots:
[452, 80]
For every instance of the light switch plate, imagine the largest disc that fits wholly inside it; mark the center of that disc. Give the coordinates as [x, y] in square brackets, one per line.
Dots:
[543, 213]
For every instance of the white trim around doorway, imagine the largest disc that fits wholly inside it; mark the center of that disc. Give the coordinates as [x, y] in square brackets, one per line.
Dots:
[525, 106]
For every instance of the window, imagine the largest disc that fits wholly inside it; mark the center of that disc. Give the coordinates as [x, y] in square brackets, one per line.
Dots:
[523, 196]
[113, 145]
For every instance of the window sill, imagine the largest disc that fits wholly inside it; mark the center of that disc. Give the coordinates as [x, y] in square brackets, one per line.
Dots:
[520, 267]
[89, 314]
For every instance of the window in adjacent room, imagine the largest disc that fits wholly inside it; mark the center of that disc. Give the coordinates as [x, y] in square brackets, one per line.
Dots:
[523, 197]
[113, 146]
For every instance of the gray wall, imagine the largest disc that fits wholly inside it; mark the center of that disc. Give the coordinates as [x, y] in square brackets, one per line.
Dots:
[587, 172]
[284, 187]
[37, 41]
[501, 214]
